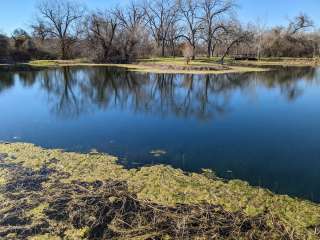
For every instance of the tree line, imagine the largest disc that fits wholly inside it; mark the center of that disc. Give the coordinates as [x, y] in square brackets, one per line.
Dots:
[65, 29]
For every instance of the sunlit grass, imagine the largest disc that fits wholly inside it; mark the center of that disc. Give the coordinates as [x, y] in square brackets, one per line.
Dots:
[179, 65]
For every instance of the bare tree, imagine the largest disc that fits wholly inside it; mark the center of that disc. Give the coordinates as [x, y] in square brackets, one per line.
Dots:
[299, 23]
[290, 41]
[101, 30]
[4, 48]
[175, 32]
[235, 36]
[130, 20]
[40, 31]
[260, 29]
[160, 16]
[189, 10]
[211, 13]
[60, 18]
[144, 27]
[315, 39]
[20, 37]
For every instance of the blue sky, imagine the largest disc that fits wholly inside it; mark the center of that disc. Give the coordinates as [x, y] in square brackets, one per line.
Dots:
[19, 13]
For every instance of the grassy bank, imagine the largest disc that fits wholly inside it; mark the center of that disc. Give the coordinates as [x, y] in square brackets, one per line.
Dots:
[291, 62]
[198, 66]
[161, 65]
[53, 189]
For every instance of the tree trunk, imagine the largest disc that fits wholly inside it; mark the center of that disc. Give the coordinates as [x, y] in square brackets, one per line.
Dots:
[162, 50]
[63, 50]
[209, 48]
[212, 49]
[173, 50]
[106, 55]
[105, 51]
[227, 51]
[193, 51]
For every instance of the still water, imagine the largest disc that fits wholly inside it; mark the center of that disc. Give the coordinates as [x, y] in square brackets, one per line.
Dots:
[260, 127]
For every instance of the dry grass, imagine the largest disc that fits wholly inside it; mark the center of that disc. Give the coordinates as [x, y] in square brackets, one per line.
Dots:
[294, 62]
[159, 65]
[178, 65]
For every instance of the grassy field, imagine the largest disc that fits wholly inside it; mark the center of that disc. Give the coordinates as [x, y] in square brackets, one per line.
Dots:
[49, 191]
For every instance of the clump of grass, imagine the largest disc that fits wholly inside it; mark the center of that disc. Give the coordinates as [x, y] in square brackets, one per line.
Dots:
[37, 213]
[45, 63]
[55, 63]
[165, 186]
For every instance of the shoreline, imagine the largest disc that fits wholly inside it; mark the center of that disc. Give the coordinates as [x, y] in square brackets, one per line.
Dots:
[160, 185]
[178, 66]
[200, 66]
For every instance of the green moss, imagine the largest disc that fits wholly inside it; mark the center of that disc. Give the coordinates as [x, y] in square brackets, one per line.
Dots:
[165, 185]
[52, 63]
[46, 237]
[45, 63]
[2, 177]
[38, 212]
[76, 234]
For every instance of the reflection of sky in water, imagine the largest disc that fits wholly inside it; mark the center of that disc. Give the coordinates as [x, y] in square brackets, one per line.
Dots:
[260, 127]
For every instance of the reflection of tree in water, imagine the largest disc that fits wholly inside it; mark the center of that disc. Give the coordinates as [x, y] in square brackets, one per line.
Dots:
[156, 93]
[183, 95]
[6, 81]
[287, 80]
[27, 77]
[64, 88]
[72, 91]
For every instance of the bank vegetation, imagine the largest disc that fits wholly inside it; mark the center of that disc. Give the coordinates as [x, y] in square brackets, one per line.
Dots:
[52, 194]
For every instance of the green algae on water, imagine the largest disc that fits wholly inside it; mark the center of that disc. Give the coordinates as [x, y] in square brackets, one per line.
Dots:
[161, 185]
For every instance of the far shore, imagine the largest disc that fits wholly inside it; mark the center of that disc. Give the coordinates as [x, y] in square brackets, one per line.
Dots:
[179, 66]
[160, 65]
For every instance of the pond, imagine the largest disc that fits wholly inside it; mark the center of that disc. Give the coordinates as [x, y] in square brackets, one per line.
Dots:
[260, 127]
